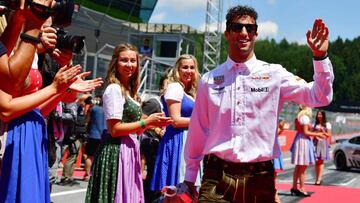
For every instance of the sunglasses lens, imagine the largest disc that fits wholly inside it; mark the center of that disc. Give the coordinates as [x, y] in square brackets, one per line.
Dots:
[237, 27]
[250, 28]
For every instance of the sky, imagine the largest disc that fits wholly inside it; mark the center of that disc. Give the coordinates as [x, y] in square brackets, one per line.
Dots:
[277, 19]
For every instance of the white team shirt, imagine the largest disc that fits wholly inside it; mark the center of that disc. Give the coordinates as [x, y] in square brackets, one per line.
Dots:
[237, 107]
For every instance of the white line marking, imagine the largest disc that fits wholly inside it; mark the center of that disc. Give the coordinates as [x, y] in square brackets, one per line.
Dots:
[290, 181]
[287, 159]
[67, 192]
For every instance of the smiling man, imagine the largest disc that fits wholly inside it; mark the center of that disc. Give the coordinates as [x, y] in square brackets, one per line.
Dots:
[236, 111]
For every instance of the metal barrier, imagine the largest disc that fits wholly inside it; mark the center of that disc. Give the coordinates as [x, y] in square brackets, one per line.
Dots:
[151, 72]
[343, 124]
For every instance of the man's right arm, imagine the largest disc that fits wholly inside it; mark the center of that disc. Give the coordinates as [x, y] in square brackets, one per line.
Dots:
[197, 135]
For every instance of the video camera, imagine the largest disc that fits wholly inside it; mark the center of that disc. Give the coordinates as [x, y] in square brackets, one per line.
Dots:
[75, 43]
[61, 12]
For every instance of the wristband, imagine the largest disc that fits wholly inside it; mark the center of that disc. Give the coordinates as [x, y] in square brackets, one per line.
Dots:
[142, 123]
[316, 58]
[29, 38]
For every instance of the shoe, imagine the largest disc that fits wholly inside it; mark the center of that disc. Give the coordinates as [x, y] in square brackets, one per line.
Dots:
[296, 192]
[86, 178]
[293, 192]
[64, 182]
[318, 183]
[68, 182]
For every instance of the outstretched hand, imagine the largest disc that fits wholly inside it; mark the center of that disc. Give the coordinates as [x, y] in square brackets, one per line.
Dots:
[65, 77]
[81, 85]
[317, 38]
[157, 120]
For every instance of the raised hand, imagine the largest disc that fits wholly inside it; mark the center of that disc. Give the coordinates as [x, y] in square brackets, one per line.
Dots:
[33, 21]
[66, 76]
[47, 3]
[81, 85]
[317, 38]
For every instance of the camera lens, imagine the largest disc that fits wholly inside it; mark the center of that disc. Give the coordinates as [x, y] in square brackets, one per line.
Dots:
[75, 43]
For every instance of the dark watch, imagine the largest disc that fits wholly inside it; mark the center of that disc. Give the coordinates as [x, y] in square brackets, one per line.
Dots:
[28, 38]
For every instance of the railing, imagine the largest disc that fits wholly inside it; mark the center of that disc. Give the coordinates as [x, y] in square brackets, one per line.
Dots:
[342, 123]
[151, 72]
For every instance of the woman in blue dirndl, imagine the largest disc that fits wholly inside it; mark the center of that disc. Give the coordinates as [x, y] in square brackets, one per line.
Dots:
[24, 174]
[178, 102]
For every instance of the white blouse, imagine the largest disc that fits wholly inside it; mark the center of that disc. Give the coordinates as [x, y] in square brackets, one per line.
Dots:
[174, 91]
[113, 102]
[304, 120]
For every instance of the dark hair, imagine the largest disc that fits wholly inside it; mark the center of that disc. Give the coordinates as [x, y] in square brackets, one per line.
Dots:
[238, 11]
[324, 118]
[88, 100]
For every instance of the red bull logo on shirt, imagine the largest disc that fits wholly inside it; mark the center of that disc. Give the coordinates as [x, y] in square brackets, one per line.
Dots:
[219, 79]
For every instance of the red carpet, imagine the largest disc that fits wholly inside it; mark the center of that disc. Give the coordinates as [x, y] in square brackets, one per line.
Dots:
[328, 194]
[79, 173]
[319, 194]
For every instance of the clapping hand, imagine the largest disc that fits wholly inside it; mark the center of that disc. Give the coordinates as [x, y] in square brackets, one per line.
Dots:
[317, 38]
[81, 85]
[65, 77]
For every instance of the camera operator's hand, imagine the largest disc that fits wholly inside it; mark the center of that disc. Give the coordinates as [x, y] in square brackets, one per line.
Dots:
[81, 85]
[48, 3]
[48, 39]
[62, 57]
[32, 20]
[65, 77]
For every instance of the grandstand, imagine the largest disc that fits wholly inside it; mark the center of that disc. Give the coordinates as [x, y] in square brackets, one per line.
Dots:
[104, 32]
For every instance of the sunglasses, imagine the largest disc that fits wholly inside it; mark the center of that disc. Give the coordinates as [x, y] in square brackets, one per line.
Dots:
[237, 27]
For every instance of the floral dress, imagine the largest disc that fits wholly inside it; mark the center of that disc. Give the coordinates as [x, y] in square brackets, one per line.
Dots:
[302, 149]
[116, 171]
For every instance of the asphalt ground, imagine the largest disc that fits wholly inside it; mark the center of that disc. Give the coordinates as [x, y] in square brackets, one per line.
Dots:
[338, 186]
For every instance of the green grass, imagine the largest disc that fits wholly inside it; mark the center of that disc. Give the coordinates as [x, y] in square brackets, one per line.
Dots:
[113, 12]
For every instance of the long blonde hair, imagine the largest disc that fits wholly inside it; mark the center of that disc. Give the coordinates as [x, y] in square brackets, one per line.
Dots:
[112, 74]
[304, 110]
[174, 75]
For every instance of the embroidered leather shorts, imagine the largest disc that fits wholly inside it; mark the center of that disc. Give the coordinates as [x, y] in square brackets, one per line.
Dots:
[237, 182]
